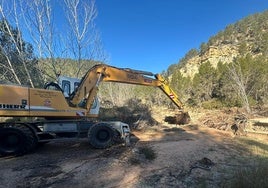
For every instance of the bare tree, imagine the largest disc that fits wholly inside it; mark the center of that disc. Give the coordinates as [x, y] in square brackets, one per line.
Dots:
[38, 18]
[83, 36]
[117, 93]
[240, 83]
[16, 40]
[77, 41]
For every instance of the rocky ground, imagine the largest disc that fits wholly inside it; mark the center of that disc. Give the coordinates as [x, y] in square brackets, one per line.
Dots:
[163, 155]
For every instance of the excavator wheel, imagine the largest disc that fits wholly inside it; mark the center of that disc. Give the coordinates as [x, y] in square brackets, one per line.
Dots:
[101, 135]
[16, 139]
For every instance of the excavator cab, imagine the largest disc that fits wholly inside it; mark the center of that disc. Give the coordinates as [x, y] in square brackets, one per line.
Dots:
[68, 84]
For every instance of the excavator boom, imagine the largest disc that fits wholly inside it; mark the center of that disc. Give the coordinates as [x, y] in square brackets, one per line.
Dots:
[89, 85]
[108, 73]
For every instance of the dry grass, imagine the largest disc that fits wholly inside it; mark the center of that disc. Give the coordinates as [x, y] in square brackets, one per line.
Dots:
[252, 176]
[254, 173]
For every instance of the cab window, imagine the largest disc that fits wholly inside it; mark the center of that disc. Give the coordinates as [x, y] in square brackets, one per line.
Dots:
[66, 87]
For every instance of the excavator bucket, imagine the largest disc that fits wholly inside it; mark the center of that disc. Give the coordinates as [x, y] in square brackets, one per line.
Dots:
[180, 118]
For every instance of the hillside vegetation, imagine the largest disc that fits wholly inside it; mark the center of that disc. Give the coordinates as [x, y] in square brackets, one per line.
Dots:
[231, 69]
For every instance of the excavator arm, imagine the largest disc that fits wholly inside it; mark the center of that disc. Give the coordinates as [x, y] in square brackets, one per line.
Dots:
[169, 92]
[87, 90]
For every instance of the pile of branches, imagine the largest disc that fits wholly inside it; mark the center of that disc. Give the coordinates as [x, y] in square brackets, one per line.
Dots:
[227, 120]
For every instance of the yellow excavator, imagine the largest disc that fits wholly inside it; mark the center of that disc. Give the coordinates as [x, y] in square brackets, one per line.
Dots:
[68, 109]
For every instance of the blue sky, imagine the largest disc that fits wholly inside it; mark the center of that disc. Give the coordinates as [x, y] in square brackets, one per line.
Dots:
[153, 34]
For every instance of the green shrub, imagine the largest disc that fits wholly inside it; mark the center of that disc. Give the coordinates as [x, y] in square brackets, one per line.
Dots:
[142, 155]
[212, 104]
[148, 152]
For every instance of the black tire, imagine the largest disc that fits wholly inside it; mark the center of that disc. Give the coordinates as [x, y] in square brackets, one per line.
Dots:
[16, 139]
[101, 135]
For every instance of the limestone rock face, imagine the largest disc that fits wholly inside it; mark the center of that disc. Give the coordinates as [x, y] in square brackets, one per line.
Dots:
[214, 54]
[247, 36]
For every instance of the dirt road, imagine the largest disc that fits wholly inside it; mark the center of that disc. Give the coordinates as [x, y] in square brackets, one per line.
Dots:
[179, 152]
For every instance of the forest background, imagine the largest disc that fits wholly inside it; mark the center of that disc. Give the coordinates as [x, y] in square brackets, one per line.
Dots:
[230, 69]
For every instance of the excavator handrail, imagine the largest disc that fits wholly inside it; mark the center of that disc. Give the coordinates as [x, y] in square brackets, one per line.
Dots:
[139, 71]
